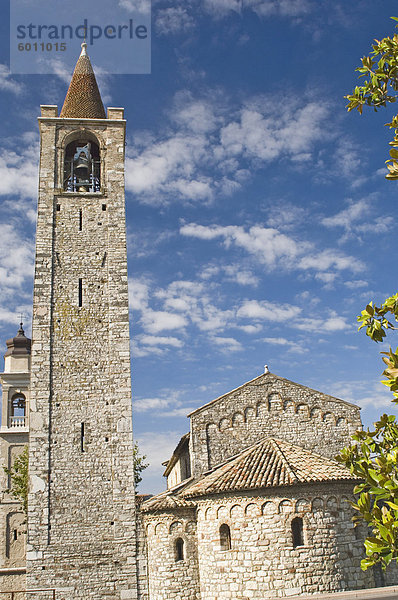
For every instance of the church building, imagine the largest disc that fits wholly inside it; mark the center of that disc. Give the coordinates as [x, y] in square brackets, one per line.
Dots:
[256, 506]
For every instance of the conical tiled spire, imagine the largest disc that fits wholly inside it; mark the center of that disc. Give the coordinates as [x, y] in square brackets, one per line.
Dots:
[83, 100]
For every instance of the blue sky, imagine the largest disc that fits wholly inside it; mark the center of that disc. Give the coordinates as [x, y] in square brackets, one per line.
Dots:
[259, 219]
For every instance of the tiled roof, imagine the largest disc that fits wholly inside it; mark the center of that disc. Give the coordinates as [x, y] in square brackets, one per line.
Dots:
[165, 501]
[83, 99]
[268, 463]
[170, 463]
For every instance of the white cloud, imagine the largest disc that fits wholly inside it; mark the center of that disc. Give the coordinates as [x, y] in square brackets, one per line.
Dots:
[167, 400]
[240, 275]
[136, 6]
[146, 404]
[250, 329]
[346, 218]
[263, 8]
[156, 340]
[358, 218]
[210, 148]
[169, 167]
[266, 243]
[155, 321]
[235, 273]
[184, 306]
[288, 218]
[328, 259]
[173, 20]
[356, 283]
[363, 392]
[275, 249]
[192, 299]
[227, 344]
[211, 318]
[16, 273]
[19, 172]
[138, 294]
[7, 84]
[326, 325]
[267, 134]
[59, 68]
[16, 257]
[291, 346]
[283, 8]
[347, 160]
[268, 311]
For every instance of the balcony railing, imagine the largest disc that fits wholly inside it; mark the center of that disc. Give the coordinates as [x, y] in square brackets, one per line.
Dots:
[18, 422]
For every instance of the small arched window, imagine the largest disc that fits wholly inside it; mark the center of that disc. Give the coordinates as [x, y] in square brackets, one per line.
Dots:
[82, 167]
[225, 537]
[297, 532]
[179, 549]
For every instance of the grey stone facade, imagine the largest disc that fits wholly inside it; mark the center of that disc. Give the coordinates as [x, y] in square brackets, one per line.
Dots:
[81, 522]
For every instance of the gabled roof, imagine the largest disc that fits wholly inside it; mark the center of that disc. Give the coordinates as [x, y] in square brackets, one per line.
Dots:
[83, 99]
[267, 378]
[268, 463]
[169, 464]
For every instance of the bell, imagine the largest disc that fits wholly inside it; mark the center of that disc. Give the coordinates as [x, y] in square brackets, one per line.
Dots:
[82, 165]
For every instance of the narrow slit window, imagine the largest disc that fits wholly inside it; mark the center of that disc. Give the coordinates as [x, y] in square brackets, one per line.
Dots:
[297, 532]
[58, 207]
[104, 207]
[80, 219]
[80, 292]
[179, 549]
[15, 534]
[82, 438]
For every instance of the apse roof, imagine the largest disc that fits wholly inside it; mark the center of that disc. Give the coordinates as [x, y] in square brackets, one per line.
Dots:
[268, 463]
[83, 99]
[166, 501]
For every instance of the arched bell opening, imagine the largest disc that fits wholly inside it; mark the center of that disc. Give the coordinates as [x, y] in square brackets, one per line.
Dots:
[18, 411]
[82, 166]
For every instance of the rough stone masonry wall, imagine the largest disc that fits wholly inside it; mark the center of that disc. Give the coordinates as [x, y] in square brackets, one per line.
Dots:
[81, 522]
[270, 406]
[170, 579]
[262, 562]
[12, 518]
[142, 553]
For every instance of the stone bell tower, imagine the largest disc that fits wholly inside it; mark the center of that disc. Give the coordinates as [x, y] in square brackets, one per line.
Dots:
[81, 521]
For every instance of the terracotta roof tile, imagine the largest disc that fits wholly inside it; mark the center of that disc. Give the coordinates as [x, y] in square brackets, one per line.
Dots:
[268, 463]
[165, 501]
[83, 99]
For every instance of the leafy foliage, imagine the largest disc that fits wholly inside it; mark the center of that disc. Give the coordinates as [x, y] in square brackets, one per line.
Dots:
[374, 456]
[380, 88]
[19, 474]
[376, 323]
[139, 464]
